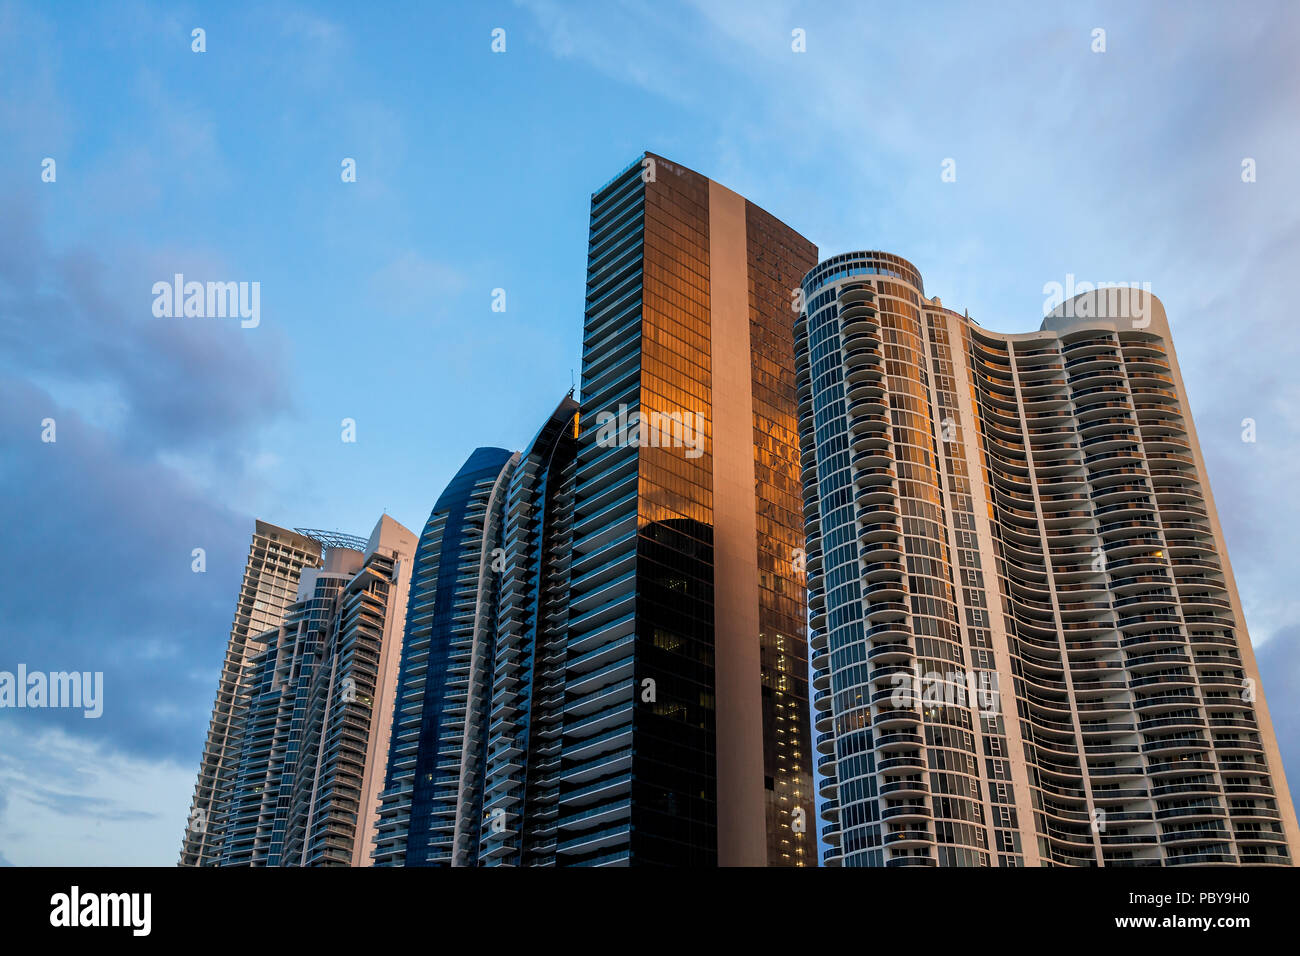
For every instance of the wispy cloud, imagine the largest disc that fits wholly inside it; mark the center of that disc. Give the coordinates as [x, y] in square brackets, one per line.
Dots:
[64, 801]
[415, 283]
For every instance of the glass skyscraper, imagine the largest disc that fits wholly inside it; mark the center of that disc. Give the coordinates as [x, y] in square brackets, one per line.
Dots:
[432, 799]
[1028, 645]
[527, 678]
[606, 655]
[474, 768]
[685, 732]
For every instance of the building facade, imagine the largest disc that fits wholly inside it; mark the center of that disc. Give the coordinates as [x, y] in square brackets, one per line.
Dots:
[315, 707]
[685, 730]
[475, 760]
[519, 823]
[1028, 645]
[606, 652]
[432, 799]
[276, 560]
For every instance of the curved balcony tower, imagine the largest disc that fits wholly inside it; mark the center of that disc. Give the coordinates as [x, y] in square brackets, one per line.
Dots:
[432, 797]
[1028, 647]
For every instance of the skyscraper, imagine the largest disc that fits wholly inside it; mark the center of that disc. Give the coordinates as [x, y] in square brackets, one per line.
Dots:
[526, 694]
[316, 708]
[627, 681]
[276, 559]
[1028, 644]
[474, 763]
[685, 732]
[333, 814]
[432, 799]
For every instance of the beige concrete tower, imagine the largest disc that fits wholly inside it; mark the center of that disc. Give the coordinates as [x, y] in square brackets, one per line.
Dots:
[276, 559]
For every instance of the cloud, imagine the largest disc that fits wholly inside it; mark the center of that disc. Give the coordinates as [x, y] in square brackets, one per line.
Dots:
[315, 45]
[321, 37]
[33, 122]
[70, 802]
[661, 50]
[75, 320]
[105, 518]
[1279, 669]
[106, 584]
[413, 283]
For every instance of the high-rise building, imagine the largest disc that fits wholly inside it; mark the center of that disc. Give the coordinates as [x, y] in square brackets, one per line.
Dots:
[368, 655]
[314, 710]
[474, 762]
[526, 694]
[606, 657]
[1028, 645]
[273, 705]
[685, 720]
[276, 559]
[431, 803]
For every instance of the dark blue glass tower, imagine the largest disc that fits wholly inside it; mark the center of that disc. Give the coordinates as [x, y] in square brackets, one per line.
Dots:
[432, 797]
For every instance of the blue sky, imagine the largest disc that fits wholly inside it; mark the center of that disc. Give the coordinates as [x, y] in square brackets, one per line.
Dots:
[474, 170]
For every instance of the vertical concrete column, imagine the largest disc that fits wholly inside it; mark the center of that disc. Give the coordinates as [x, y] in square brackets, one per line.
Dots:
[741, 810]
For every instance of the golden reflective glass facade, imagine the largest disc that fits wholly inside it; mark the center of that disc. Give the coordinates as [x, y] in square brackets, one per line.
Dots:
[674, 790]
[686, 625]
[778, 258]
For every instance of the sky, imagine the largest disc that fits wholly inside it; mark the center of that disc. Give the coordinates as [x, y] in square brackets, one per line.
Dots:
[474, 170]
